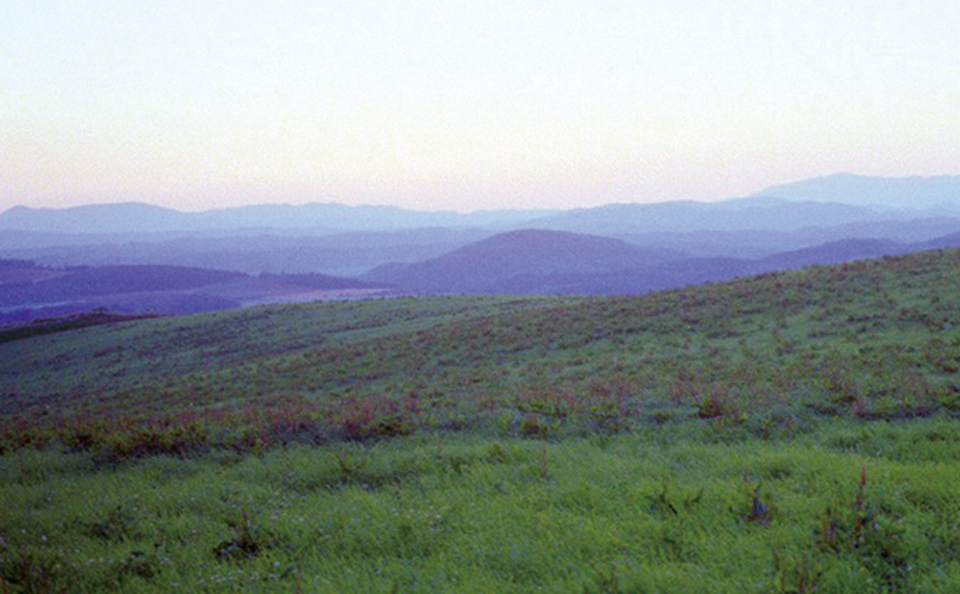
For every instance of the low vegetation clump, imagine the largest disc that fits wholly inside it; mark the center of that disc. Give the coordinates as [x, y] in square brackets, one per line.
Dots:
[792, 432]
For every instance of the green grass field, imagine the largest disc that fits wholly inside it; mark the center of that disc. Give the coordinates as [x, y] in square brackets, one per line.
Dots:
[794, 432]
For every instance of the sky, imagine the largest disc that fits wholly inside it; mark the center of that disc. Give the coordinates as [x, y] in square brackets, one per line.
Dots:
[467, 105]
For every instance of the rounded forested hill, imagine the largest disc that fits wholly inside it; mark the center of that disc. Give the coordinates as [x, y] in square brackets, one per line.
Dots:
[482, 266]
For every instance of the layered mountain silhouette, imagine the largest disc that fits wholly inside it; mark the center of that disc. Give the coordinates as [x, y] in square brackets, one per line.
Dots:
[835, 252]
[770, 214]
[106, 255]
[833, 200]
[545, 262]
[516, 262]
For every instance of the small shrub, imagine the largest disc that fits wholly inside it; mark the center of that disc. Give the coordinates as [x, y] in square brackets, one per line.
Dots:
[531, 425]
[248, 541]
[141, 565]
[352, 465]
[757, 512]
[720, 405]
[860, 535]
[374, 417]
[607, 405]
[663, 504]
[117, 525]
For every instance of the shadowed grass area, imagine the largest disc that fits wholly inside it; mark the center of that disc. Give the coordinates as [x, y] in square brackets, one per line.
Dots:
[43, 326]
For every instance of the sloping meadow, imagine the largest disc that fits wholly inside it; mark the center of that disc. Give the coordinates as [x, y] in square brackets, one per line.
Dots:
[792, 432]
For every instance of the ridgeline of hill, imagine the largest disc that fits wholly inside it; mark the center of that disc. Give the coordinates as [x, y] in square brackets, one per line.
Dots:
[514, 259]
[915, 192]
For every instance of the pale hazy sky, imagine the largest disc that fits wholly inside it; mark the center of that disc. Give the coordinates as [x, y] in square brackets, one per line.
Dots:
[467, 104]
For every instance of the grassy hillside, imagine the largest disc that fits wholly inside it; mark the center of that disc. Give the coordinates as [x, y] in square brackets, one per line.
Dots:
[872, 339]
[785, 433]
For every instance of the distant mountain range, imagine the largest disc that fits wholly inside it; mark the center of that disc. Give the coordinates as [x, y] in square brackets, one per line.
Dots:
[313, 219]
[281, 252]
[771, 214]
[840, 198]
[938, 193]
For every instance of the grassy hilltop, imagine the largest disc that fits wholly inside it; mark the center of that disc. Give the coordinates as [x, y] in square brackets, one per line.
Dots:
[792, 432]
